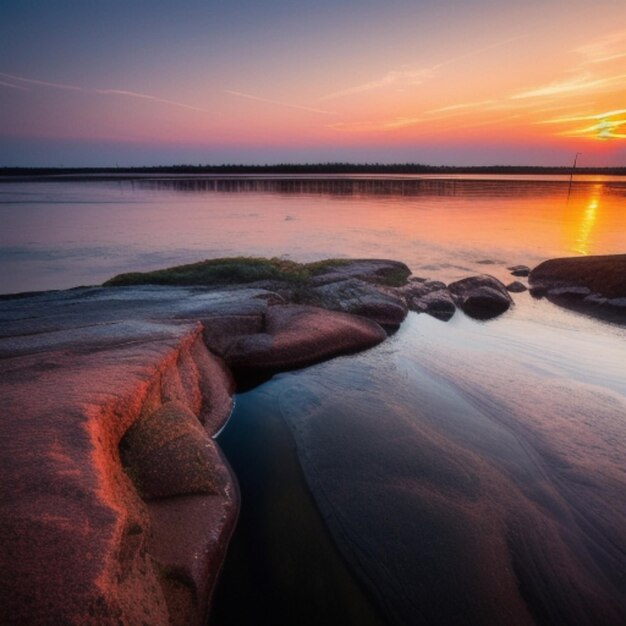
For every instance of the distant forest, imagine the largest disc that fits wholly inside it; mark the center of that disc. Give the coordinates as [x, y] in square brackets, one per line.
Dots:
[306, 168]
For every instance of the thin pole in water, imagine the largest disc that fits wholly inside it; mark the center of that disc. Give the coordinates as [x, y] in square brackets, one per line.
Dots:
[571, 176]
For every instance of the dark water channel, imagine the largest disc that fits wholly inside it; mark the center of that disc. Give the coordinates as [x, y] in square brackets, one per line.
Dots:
[282, 567]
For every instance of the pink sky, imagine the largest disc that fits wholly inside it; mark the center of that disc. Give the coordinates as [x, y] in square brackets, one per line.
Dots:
[529, 83]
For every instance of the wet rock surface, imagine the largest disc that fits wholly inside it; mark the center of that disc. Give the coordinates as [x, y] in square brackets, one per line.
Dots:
[516, 287]
[481, 297]
[117, 506]
[595, 285]
[519, 270]
[430, 296]
[358, 297]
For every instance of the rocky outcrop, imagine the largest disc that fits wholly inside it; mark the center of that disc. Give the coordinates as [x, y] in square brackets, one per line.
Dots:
[358, 297]
[80, 537]
[593, 284]
[481, 297]
[117, 506]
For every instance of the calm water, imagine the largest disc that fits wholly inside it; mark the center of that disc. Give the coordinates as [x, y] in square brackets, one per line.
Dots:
[63, 234]
[462, 472]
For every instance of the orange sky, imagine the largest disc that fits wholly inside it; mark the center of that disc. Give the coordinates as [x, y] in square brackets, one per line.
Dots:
[252, 82]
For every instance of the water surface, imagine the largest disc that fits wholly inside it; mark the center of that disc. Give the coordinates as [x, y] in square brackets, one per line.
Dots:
[66, 233]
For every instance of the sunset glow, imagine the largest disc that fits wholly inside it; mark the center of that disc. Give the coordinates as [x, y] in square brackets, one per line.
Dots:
[212, 82]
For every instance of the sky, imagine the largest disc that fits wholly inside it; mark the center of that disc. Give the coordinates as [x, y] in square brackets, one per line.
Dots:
[451, 82]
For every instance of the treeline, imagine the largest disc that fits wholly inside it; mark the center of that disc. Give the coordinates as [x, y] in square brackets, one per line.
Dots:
[308, 168]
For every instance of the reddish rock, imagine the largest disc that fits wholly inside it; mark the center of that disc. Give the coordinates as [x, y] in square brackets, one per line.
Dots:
[168, 453]
[74, 529]
[82, 371]
[296, 335]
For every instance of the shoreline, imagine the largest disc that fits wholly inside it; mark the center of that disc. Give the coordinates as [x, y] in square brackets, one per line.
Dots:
[130, 364]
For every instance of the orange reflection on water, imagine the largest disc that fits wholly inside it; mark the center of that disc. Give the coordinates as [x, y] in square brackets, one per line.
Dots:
[587, 221]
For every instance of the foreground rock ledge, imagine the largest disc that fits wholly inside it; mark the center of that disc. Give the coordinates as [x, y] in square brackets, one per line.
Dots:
[116, 505]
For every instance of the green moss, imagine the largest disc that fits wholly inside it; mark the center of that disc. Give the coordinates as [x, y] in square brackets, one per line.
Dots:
[393, 277]
[227, 271]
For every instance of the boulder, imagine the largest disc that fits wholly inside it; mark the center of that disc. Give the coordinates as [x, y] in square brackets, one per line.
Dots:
[595, 285]
[481, 297]
[430, 296]
[359, 298]
[516, 287]
[437, 303]
[519, 270]
[298, 335]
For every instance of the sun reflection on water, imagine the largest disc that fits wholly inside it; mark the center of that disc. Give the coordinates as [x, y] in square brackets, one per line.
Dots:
[587, 222]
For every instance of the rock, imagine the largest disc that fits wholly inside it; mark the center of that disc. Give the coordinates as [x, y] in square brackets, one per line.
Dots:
[168, 453]
[437, 303]
[297, 335]
[516, 287]
[359, 298]
[595, 285]
[519, 270]
[429, 296]
[95, 378]
[481, 297]
[377, 271]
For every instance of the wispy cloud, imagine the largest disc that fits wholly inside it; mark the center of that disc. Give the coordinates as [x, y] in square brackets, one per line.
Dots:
[606, 125]
[20, 87]
[134, 94]
[401, 78]
[115, 92]
[603, 49]
[463, 106]
[571, 86]
[406, 76]
[289, 105]
[42, 83]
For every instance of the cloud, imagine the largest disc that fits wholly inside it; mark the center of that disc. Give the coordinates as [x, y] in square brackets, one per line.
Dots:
[606, 48]
[134, 94]
[407, 77]
[606, 124]
[20, 87]
[463, 106]
[395, 78]
[248, 96]
[116, 92]
[571, 86]
[43, 83]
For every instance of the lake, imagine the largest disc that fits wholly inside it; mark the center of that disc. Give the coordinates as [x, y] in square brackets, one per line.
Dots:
[59, 234]
[461, 472]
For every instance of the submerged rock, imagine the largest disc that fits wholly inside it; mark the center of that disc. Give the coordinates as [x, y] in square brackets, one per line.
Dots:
[519, 270]
[595, 285]
[516, 287]
[481, 297]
